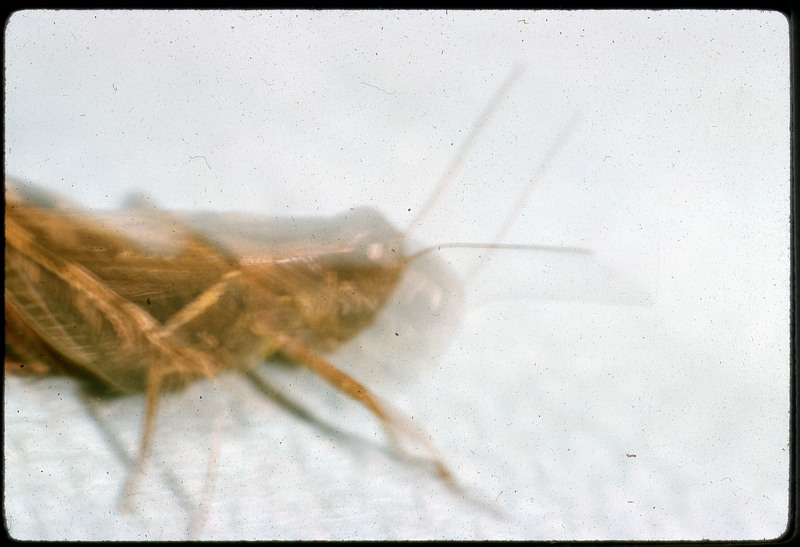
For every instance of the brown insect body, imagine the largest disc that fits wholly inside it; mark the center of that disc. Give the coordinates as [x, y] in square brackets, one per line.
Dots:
[322, 281]
[85, 300]
[235, 307]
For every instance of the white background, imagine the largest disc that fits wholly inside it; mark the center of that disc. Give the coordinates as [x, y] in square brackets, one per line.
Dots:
[671, 342]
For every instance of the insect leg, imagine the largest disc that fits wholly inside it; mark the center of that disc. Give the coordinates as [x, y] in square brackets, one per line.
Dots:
[299, 353]
[152, 392]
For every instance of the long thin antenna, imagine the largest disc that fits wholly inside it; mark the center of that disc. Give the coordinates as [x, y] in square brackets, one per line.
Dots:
[501, 246]
[464, 148]
[513, 214]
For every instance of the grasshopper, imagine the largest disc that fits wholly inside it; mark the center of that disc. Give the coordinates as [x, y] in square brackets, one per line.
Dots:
[83, 298]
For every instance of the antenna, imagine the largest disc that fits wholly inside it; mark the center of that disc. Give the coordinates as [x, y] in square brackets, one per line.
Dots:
[512, 216]
[521, 200]
[464, 148]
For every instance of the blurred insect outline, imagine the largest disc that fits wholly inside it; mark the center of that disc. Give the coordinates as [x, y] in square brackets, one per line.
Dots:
[83, 298]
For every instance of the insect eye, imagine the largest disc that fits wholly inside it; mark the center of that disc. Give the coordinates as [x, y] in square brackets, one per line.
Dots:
[375, 251]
